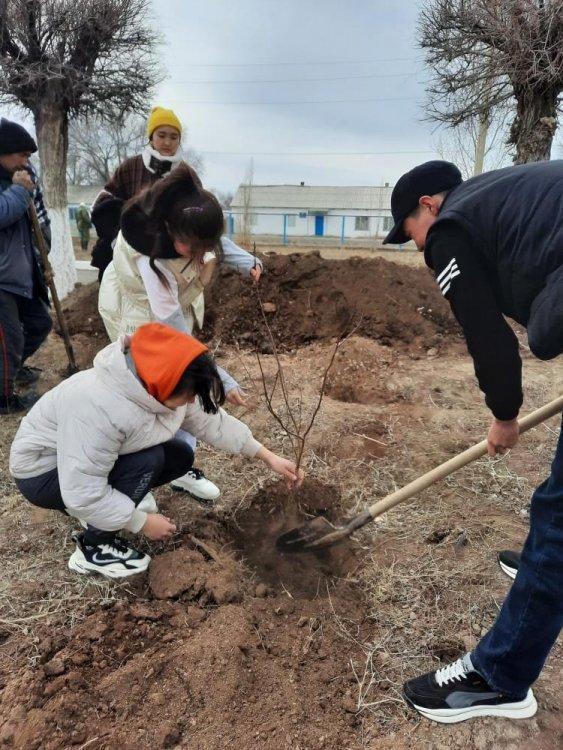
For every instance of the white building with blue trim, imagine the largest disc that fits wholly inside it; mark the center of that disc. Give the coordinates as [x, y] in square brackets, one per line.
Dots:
[312, 211]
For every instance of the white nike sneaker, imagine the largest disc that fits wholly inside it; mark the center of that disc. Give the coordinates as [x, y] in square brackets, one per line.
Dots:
[509, 562]
[147, 504]
[116, 559]
[197, 485]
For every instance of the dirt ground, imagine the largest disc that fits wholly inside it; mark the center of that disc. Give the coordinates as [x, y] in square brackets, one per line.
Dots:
[226, 643]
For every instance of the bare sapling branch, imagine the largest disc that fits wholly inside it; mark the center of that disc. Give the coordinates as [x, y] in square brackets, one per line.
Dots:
[292, 422]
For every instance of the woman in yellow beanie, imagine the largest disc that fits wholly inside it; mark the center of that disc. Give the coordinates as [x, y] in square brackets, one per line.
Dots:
[160, 156]
[164, 132]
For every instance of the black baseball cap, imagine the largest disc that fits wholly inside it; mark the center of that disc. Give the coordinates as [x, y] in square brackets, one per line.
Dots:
[427, 179]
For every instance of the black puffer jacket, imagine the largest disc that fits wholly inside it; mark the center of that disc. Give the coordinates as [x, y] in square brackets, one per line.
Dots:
[514, 220]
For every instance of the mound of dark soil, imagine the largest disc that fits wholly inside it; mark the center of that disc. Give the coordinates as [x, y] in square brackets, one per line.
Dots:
[307, 298]
[273, 511]
[80, 309]
[206, 657]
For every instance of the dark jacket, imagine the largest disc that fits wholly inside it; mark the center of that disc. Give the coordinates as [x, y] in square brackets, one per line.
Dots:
[129, 179]
[497, 248]
[143, 217]
[20, 272]
[106, 213]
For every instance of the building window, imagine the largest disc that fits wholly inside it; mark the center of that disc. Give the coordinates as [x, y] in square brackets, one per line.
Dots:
[252, 219]
[303, 214]
[290, 220]
[387, 223]
[362, 223]
[72, 212]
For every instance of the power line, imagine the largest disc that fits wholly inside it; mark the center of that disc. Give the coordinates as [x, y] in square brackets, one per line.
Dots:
[270, 64]
[311, 153]
[305, 80]
[315, 101]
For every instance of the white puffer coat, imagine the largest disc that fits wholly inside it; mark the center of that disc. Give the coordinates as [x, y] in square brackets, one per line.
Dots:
[87, 421]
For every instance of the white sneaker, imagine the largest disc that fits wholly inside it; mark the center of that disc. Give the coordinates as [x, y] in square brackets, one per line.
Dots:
[196, 484]
[509, 562]
[116, 559]
[147, 504]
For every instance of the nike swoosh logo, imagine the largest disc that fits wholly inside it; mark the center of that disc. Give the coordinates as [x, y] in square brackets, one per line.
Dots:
[98, 561]
[462, 699]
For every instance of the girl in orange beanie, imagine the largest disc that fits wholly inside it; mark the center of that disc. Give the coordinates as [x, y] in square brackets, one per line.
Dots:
[93, 446]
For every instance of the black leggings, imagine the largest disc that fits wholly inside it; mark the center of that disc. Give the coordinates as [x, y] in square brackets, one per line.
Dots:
[133, 474]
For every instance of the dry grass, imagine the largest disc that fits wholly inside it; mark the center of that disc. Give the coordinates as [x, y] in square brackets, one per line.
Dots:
[429, 579]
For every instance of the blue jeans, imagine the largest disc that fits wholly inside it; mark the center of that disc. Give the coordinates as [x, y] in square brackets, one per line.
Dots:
[511, 655]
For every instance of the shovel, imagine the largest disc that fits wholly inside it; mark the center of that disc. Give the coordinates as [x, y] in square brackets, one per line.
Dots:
[320, 532]
[42, 246]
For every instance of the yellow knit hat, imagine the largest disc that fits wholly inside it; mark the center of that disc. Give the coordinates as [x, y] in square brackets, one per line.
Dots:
[160, 116]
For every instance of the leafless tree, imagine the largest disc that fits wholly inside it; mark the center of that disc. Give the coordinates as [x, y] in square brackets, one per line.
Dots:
[510, 49]
[290, 415]
[477, 144]
[247, 215]
[96, 147]
[61, 59]
[225, 197]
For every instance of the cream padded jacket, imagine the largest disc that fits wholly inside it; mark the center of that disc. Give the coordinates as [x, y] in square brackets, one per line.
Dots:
[123, 302]
[82, 425]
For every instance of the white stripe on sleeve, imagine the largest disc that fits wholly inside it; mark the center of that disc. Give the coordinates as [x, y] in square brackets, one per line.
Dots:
[446, 270]
[446, 288]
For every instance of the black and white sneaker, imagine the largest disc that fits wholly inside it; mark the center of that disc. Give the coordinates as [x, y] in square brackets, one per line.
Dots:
[17, 402]
[27, 375]
[457, 692]
[115, 559]
[509, 562]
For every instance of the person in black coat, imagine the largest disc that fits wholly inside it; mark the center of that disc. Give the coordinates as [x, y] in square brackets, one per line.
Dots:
[495, 244]
[24, 315]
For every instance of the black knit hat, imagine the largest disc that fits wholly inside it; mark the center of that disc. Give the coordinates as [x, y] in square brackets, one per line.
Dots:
[14, 139]
[427, 179]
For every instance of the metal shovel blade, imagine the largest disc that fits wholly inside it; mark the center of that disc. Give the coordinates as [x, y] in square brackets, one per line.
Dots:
[305, 537]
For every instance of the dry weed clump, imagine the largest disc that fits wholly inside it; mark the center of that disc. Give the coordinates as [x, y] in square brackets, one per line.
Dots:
[37, 587]
[430, 580]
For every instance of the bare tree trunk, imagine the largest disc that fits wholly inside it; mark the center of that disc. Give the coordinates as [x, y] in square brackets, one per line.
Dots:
[246, 223]
[51, 125]
[534, 126]
[481, 143]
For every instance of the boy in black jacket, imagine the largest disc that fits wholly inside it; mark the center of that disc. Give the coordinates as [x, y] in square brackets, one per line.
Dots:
[495, 244]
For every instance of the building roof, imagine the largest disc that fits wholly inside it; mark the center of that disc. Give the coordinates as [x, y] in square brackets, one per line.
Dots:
[82, 193]
[315, 197]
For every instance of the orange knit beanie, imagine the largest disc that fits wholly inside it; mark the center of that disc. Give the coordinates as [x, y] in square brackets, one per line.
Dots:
[161, 354]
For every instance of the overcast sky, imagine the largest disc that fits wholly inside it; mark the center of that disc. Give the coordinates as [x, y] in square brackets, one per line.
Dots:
[300, 86]
[244, 77]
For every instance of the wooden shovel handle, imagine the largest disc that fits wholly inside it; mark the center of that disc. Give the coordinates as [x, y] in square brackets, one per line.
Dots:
[457, 462]
[42, 247]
